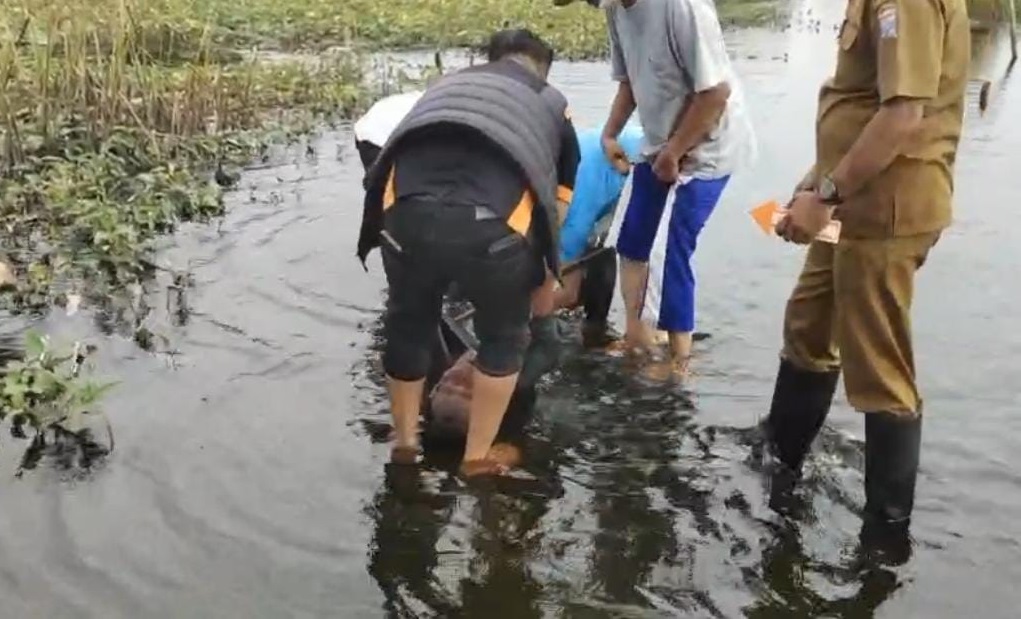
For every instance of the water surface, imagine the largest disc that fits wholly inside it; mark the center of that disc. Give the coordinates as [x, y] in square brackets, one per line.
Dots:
[249, 477]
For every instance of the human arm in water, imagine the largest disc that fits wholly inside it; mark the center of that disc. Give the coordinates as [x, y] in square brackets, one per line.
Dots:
[544, 297]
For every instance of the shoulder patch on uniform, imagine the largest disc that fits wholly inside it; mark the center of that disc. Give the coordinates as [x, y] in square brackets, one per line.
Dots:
[887, 17]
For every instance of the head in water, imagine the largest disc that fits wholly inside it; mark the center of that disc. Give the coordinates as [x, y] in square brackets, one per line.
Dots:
[522, 45]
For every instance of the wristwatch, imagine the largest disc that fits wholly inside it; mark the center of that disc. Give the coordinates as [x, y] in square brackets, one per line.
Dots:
[828, 192]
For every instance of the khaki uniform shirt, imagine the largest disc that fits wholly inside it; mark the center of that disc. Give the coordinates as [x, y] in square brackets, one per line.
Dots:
[917, 49]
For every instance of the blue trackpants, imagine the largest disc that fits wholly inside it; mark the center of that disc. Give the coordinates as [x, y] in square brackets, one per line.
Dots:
[694, 202]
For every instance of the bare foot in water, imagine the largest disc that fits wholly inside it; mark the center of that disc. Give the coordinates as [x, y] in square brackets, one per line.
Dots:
[502, 457]
[646, 342]
[666, 369]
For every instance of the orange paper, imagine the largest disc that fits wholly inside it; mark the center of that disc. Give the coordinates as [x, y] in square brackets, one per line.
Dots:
[768, 214]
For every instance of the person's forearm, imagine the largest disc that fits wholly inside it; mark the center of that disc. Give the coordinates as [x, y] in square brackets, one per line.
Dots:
[620, 111]
[808, 182]
[698, 118]
[877, 146]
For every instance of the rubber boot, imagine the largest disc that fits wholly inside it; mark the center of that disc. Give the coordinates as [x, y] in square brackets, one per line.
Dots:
[892, 444]
[801, 401]
[543, 354]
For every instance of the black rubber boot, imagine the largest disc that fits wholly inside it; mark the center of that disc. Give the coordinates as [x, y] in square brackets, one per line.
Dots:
[801, 401]
[892, 445]
[543, 354]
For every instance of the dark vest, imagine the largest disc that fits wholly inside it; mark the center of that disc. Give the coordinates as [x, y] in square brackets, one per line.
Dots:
[508, 104]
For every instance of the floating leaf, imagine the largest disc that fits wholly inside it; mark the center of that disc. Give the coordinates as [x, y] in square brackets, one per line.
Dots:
[35, 345]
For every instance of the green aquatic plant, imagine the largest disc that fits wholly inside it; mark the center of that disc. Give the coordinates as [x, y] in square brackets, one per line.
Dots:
[113, 130]
[44, 394]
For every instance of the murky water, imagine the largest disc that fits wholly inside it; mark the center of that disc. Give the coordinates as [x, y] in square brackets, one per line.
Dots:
[249, 480]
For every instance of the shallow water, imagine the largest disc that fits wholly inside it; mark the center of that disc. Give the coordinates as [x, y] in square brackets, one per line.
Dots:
[249, 480]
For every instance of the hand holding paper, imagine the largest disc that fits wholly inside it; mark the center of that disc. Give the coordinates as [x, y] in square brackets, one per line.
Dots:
[769, 214]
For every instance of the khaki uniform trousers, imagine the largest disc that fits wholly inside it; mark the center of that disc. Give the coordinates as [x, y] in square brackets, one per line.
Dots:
[851, 310]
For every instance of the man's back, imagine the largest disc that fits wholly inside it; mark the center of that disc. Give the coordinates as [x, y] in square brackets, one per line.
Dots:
[597, 188]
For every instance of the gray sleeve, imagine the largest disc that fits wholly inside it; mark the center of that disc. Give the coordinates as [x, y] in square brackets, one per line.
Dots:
[696, 41]
[618, 70]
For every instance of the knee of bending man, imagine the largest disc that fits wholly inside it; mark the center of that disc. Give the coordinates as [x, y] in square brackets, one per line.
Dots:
[502, 354]
[405, 362]
[407, 353]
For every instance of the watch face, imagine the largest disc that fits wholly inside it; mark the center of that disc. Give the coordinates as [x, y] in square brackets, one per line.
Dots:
[827, 190]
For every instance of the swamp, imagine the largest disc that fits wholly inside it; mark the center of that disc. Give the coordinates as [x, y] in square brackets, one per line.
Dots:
[192, 412]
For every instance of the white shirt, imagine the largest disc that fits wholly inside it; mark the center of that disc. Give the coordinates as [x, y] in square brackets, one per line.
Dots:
[383, 117]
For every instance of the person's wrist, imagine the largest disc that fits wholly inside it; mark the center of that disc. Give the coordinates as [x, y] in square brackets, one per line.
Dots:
[828, 191]
[674, 149]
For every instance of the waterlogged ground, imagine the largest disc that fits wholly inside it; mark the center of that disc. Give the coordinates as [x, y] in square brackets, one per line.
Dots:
[249, 481]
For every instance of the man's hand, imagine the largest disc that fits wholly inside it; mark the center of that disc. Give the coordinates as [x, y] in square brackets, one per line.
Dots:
[615, 154]
[805, 219]
[667, 166]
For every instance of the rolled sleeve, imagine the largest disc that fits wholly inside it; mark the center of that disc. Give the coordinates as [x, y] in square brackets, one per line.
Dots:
[696, 40]
[618, 70]
[909, 35]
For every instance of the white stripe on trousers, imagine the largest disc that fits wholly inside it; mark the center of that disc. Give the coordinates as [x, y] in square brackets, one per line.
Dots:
[657, 257]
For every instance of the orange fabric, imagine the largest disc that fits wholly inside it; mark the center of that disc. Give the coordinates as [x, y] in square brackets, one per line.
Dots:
[521, 217]
[565, 194]
[390, 193]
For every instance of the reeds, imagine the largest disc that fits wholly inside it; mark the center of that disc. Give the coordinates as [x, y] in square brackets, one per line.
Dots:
[112, 114]
[102, 66]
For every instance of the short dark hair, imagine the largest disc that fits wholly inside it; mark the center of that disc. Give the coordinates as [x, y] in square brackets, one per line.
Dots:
[519, 41]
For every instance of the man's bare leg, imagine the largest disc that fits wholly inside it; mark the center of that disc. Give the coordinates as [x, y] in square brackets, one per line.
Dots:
[490, 397]
[405, 406]
[634, 277]
[680, 353]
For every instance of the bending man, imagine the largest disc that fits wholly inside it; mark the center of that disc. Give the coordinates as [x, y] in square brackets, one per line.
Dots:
[465, 191]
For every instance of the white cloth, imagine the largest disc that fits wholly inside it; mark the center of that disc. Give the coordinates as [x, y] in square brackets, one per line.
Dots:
[383, 117]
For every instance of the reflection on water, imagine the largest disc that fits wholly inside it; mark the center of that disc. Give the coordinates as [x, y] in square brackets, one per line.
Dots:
[250, 476]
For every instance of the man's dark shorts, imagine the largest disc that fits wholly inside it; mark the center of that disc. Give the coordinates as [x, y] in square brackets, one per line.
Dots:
[432, 245]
